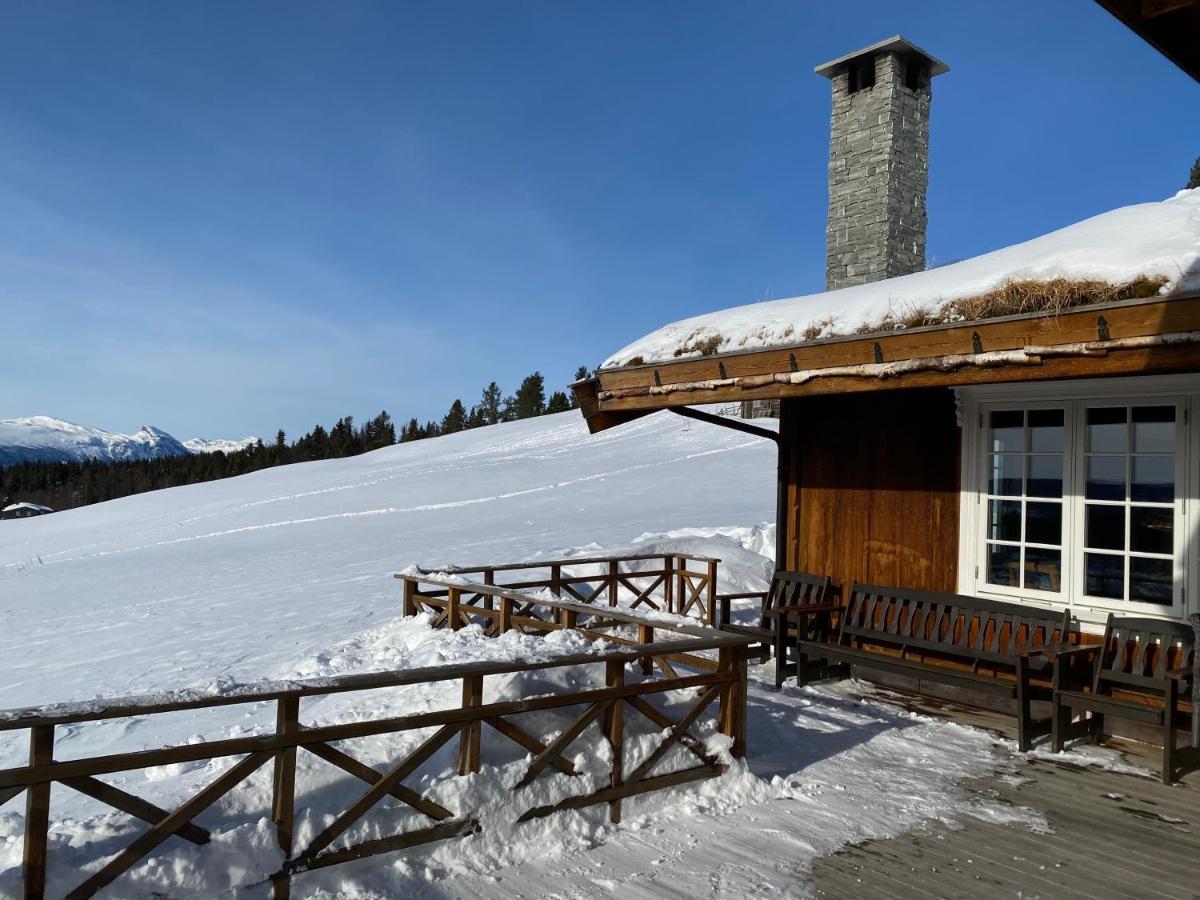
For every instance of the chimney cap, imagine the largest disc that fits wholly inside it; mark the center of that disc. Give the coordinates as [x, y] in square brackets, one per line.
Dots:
[895, 44]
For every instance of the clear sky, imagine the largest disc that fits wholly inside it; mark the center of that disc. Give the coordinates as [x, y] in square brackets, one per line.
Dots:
[224, 218]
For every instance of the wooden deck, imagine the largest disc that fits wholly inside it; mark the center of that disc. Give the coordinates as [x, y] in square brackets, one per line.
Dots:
[1112, 836]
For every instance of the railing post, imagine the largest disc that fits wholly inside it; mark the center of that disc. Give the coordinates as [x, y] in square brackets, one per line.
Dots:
[410, 603]
[468, 741]
[556, 580]
[732, 716]
[287, 722]
[613, 571]
[506, 611]
[489, 578]
[614, 728]
[681, 587]
[669, 582]
[453, 596]
[570, 618]
[646, 636]
[37, 814]
[712, 592]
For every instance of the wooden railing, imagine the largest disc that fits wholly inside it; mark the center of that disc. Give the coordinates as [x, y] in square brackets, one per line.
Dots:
[678, 583]
[721, 681]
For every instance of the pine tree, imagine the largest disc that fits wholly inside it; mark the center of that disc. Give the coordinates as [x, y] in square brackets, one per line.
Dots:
[581, 373]
[1194, 177]
[280, 440]
[475, 418]
[455, 419]
[490, 404]
[508, 409]
[531, 396]
[558, 403]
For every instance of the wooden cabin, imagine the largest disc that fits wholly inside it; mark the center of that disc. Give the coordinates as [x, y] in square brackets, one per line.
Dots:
[1022, 426]
[24, 510]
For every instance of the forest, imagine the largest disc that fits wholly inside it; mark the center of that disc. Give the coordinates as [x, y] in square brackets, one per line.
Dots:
[63, 485]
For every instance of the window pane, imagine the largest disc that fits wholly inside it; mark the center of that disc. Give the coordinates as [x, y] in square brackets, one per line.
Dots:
[1105, 575]
[1043, 523]
[1046, 430]
[1104, 527]
[1105, 478]
[1151, 529]
[1106, 429]
[1154, 429]
[1008, 430]
[1153, 479]
[1045, 476]
[1003, 563]
[1004, 518]
[1150, 580]
[1043, 569]
[1005, 475]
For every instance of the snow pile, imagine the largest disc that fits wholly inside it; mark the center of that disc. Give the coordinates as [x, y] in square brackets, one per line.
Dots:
[1152, 240]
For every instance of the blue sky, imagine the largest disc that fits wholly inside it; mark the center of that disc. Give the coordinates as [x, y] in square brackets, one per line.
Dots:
[224, 218]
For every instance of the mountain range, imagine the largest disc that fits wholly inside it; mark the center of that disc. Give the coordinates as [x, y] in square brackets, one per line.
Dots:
[46, 439]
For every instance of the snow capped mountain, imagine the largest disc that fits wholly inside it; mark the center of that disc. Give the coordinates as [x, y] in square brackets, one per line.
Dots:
[46, 439]
[203, 445]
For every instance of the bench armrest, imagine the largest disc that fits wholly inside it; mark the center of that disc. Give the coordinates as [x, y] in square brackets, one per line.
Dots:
[805, 608]
[746, 596]
[1058, 651]
[1183, 675]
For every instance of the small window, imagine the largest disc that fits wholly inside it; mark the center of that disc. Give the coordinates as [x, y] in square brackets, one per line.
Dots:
[913, 76]
[860, 74]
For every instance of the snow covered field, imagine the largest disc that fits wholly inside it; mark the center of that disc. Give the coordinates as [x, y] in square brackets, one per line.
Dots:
[286, 574]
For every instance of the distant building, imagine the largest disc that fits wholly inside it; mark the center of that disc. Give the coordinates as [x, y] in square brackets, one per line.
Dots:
[24, 510]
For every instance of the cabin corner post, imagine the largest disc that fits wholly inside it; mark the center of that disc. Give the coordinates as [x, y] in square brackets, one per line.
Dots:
[783, 478]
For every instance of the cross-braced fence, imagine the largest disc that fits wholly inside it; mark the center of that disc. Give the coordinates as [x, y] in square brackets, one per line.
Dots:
[721, 682]
[678, 583]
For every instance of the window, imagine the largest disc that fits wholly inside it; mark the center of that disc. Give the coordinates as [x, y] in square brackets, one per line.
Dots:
[1082, 498]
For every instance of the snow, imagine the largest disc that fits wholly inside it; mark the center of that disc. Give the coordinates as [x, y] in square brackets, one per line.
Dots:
[203, 445]
[285, 574]
[46, 439]
[1148, 239]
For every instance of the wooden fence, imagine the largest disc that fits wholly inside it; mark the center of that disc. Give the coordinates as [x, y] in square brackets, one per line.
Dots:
[678, 583]
[721, 682]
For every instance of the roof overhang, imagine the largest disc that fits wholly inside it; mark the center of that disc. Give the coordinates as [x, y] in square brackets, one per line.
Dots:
[1172, 27]
[1134, 337]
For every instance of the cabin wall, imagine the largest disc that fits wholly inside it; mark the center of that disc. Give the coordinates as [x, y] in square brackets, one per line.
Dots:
[872, 487]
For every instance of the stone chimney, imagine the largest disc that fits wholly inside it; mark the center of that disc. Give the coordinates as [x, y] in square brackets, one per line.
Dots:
[878, 162]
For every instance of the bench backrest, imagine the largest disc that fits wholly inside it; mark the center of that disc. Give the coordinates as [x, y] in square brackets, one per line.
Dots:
[795, 589]
[1137, 653]
[954, 624]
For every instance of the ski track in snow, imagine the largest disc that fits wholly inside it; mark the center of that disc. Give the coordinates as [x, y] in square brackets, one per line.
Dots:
[309, 593]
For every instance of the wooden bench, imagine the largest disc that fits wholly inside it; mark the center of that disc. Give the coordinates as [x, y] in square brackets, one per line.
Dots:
[985, 646]
[795, 600]
[1141, 672]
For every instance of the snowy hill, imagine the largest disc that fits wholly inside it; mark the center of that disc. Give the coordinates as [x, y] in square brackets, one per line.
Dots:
[46, 439]
[301, 556]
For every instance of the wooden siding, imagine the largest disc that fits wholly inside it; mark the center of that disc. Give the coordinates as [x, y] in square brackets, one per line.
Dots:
[872, 490]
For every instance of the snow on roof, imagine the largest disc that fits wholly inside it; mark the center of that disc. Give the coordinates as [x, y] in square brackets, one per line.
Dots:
[1155, 240]
[24, 504]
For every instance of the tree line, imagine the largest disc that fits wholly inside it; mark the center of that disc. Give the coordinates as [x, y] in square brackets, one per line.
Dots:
[64, 485]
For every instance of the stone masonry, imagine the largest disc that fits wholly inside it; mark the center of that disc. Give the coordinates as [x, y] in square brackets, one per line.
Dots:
[878, 164]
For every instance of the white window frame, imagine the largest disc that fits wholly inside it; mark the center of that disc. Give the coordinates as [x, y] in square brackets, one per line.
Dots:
[1075, 396]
